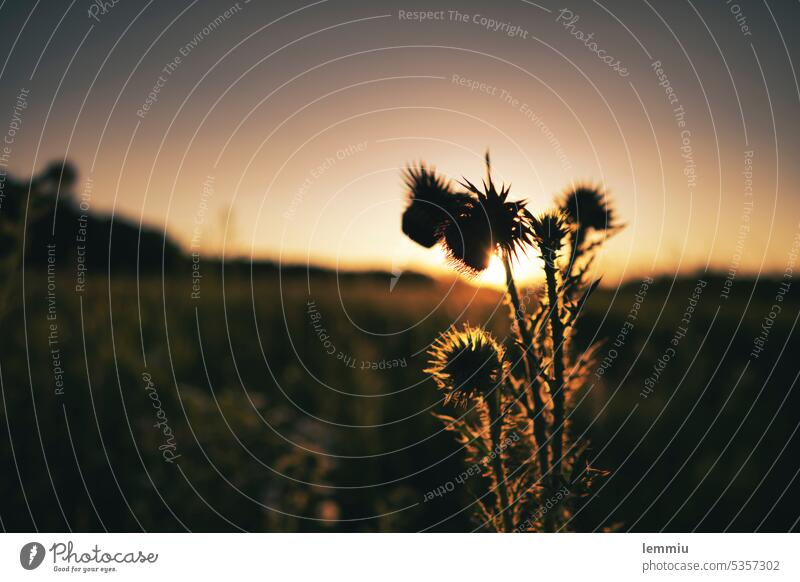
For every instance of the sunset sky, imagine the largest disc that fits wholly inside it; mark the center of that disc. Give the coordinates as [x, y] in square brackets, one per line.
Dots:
[279, 130]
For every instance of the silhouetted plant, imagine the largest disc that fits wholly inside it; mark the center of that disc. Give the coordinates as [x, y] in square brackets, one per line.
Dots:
[432, 205]
[591, 219]
[515, 428]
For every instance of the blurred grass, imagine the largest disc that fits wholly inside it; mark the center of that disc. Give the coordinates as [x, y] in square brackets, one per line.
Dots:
[269, 426]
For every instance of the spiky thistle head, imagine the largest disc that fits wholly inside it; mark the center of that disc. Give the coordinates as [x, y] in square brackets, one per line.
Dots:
[549, 230]
[466, 363]
[490, 223]
[432, 204]
[587, 206]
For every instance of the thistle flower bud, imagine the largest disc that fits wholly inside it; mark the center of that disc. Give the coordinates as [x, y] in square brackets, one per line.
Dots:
[587, 206]
[549, 230]
[466, 363]
[432, 205]
[490, 223]
[468, 242]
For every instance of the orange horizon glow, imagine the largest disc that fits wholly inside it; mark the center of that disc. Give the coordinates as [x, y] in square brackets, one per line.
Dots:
[305, 158]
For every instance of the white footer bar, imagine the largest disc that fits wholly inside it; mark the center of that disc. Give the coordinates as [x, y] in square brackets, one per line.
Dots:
[401, 557]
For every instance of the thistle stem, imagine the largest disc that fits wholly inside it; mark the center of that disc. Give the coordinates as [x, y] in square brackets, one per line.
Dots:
[576, 248]
[519, 317]
[496, 434]
[539, 429]
[557, 329]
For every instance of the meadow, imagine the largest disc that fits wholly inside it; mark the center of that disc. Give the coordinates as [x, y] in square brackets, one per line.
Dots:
[281, 400]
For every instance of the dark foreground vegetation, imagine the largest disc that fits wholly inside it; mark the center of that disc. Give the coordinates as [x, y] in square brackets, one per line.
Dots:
[281, 400]
[263, 418]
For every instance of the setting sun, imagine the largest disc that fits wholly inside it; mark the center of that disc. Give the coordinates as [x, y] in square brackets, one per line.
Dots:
[494, 275]
[525, 272]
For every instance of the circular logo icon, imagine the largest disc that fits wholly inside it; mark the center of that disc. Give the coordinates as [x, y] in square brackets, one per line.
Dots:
[31, 555]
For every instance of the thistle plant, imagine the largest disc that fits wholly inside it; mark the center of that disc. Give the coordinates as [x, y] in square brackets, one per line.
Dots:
[513, 396]
[592, 220]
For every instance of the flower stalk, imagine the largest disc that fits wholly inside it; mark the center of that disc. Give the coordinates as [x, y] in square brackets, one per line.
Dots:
[532, 391]
[558, 384]
[472, 368]
[494, 404]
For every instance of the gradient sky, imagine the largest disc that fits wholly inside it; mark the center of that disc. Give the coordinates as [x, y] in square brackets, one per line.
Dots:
[284, 127]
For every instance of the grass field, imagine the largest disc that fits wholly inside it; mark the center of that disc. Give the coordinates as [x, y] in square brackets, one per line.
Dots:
[299, 404]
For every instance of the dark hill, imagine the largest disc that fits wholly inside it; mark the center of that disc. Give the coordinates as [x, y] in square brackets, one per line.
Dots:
[45, 212]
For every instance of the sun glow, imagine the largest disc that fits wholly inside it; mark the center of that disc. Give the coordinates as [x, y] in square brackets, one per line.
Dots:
[494, 275]
[528, 270]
